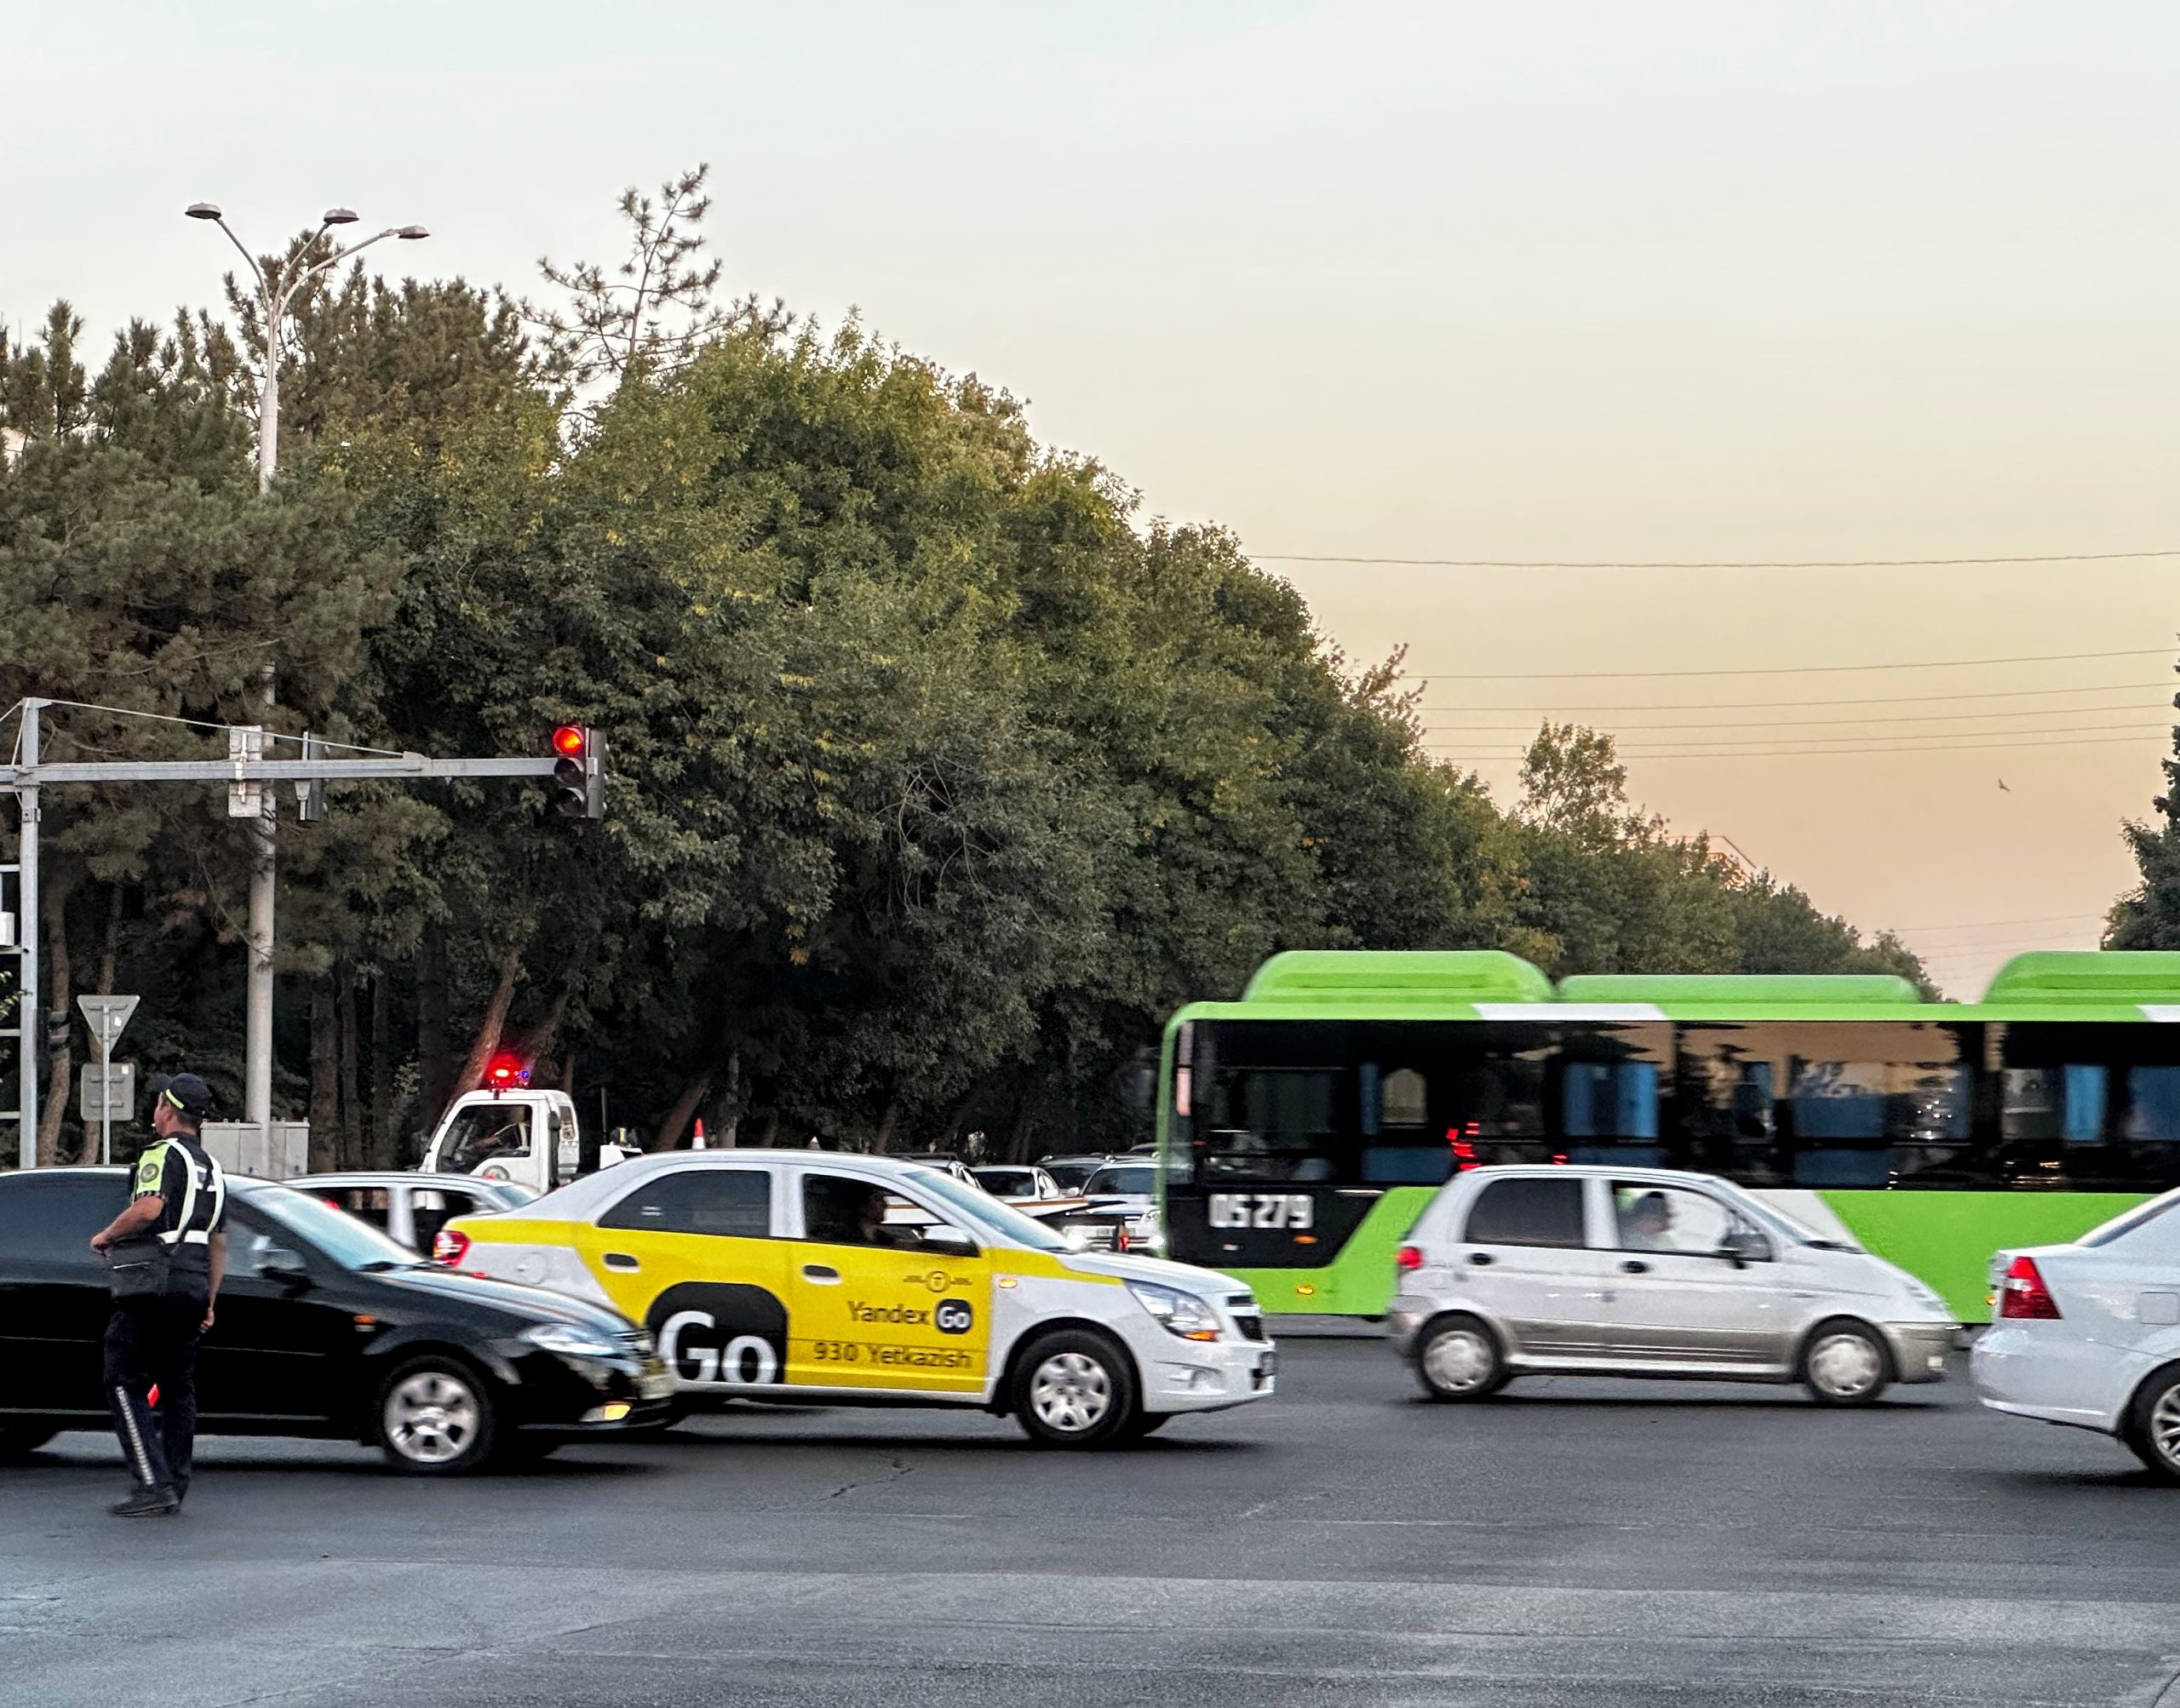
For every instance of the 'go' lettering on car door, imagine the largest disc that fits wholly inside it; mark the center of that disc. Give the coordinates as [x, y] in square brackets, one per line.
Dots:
[712, 1335]
[1289, 1210]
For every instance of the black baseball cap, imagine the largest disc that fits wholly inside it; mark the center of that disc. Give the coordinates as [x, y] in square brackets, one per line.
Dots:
[185, 1093]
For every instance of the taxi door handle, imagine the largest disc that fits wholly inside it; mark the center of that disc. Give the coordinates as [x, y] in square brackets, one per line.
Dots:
[820, 1272]
[1636, 1266]
[1479, 1257]
[621, 1260]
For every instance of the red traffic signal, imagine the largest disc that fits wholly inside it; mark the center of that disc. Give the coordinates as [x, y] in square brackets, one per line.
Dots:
[578, 789]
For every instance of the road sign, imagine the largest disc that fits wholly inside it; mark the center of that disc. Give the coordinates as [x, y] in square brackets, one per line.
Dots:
[107, 1016]
[109, 1092]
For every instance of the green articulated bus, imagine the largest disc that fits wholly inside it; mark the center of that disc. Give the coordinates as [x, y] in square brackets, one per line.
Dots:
[1303, 1129]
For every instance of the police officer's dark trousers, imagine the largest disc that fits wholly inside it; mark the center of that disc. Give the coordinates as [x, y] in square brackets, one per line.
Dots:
[151, 1343]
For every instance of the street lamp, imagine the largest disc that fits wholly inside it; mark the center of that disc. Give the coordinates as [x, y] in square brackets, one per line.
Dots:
[274, 293]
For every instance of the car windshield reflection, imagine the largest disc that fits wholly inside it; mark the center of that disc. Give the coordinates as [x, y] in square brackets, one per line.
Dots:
[353, 1244]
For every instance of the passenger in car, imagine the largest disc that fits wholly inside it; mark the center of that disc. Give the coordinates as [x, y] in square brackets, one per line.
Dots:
[1646, 1224]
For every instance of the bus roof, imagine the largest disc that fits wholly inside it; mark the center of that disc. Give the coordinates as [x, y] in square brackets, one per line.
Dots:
[1490, 984]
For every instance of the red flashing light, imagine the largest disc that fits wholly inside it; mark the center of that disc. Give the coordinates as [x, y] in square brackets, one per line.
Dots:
[449, 1246]
[1408, 1258]
[504, 1070]
[569, 741]
[2024, 1294]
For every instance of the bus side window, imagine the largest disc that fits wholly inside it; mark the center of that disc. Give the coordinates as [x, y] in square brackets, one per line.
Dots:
[1399, 1149]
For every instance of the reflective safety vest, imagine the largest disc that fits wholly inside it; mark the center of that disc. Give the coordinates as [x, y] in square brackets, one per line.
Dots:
[203, 1201]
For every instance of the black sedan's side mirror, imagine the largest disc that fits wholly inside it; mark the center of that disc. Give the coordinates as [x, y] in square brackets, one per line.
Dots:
[283, 1263]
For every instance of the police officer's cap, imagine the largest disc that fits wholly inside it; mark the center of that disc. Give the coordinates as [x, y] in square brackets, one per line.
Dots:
[185, 1093]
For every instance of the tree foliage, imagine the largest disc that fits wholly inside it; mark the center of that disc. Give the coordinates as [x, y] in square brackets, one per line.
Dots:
[940, 775]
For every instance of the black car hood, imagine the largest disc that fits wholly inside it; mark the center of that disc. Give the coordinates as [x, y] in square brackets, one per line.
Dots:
[527, 1304]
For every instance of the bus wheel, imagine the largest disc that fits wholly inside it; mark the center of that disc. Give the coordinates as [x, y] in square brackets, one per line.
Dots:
[1845, 1364]
[2153, 1426]
[1458, 1359]
[1076, 1388]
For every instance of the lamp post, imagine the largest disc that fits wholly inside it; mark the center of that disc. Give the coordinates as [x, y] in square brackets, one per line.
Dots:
[276, 291]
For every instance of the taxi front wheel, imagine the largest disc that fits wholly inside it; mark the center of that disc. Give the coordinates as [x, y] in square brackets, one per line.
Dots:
[1076, 1388]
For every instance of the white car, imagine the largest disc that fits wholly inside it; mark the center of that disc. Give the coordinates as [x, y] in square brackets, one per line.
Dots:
[2089, 1334]
[1018, 1185]
[1602, 1271]
[412, 1208]
[1131, 1186]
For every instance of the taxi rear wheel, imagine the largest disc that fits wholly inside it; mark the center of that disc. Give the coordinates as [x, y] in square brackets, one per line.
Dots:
[436, 1416]
[1076, 1388]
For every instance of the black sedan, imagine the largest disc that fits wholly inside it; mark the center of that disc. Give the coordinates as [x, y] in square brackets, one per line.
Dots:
[325, 1328]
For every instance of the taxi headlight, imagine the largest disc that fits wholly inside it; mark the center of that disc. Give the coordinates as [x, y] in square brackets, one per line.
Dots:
[1181, 1314]
[570, 1341]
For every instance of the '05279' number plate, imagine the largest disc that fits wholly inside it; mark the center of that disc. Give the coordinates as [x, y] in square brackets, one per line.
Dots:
[1293, 1210]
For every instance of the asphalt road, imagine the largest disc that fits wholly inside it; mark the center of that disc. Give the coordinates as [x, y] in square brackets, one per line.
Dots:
[1566, 1542]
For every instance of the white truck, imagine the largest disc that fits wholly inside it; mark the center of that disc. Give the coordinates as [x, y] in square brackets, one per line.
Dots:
[531, 1137]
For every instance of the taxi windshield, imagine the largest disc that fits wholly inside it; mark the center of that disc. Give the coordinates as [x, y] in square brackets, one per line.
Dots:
[984, 1211]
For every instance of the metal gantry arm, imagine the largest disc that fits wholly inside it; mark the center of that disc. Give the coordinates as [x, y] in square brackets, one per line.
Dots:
[27, 777]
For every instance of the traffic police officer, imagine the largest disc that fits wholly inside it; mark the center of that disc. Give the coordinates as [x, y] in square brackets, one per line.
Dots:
[168, 1251]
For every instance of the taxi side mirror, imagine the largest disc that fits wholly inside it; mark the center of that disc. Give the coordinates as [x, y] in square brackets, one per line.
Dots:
[1745, 1246]
[942, 1237]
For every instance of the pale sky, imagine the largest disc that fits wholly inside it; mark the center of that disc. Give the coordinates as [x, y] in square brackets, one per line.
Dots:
[1607, 282]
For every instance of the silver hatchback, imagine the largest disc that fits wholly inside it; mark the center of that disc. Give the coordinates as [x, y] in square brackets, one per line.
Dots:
[1602, 1271]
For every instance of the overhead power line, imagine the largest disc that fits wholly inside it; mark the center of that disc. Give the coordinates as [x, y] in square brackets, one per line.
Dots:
[1787, 669]
[1722, 751]
[1825, 723]
[1714, 564]
[1561, 708]
[1993, 924]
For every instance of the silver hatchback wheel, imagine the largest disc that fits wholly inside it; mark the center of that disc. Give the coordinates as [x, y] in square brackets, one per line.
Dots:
[1844, 1366]
[1460, 1360]
[1070, 1392]
[432, 1418]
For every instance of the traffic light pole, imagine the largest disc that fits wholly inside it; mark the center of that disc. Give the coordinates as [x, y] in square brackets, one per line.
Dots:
[27, 1018]
[25, 781]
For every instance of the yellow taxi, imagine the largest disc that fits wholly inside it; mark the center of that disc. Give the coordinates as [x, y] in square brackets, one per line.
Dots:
[810, 1276]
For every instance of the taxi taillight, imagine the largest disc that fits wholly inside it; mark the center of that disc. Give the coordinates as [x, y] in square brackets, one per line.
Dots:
[1408, 1258]
[449, 1246]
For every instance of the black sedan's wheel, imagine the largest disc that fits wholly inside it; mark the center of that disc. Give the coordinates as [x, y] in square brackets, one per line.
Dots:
[435, 1416]
[1845, 1364]
[2153, 1428]
[1458, 1358]
[1076, 1388]
[18, 1439]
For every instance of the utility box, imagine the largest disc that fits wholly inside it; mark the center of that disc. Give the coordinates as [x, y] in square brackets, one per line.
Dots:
[242, 1147]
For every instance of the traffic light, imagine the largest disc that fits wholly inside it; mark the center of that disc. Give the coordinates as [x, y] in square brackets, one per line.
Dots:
[579, 778]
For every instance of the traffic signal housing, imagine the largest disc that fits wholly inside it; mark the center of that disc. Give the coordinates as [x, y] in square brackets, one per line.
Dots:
[579, 776]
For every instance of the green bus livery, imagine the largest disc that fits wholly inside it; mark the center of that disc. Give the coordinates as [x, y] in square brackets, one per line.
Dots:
[1303, 1129]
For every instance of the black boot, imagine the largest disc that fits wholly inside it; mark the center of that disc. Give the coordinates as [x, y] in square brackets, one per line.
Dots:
[151, 1500]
